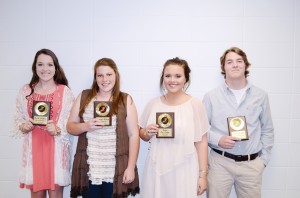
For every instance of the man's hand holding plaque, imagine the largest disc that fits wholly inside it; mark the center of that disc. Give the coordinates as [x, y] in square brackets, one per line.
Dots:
[41, 112]
[165, 122]
[237, 127]
[102, 110]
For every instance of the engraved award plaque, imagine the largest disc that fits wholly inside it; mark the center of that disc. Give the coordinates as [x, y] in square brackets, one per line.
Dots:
[165, 121]
[237, 127]
[102, 109]
[41, 112]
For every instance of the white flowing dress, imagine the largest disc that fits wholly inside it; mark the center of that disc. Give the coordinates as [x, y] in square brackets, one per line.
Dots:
[172, 168]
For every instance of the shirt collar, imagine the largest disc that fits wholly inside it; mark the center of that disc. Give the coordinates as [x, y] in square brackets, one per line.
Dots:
[227, 89]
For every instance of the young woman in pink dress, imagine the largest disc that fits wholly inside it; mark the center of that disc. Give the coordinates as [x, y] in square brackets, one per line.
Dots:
[46, 148]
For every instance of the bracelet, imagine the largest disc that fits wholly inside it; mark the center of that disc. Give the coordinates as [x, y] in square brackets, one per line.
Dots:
[58, 131]
[146, 135]
[203, 173]
[21, 128]
[202, 176]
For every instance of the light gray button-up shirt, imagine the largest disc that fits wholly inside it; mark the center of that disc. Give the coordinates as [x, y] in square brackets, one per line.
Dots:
[220, 104]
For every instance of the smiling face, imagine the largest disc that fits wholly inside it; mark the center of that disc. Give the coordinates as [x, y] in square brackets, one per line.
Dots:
[233, 54]
[106, 78]
[45, 68]
[174, 78]
[234, 66]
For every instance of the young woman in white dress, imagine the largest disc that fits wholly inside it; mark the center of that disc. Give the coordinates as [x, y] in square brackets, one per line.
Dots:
[175, 167]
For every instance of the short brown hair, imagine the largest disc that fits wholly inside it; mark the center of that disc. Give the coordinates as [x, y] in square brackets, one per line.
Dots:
[239, 52]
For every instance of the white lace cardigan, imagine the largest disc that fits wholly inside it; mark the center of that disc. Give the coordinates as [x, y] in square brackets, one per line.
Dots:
[63, 143]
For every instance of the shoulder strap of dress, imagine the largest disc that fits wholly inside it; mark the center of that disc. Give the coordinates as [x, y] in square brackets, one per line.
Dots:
[84, 95]
[124, 98]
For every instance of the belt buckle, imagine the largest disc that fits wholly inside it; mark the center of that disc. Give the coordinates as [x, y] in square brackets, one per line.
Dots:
[238, 158]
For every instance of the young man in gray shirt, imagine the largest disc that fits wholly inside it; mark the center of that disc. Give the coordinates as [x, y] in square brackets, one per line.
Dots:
[242, 134]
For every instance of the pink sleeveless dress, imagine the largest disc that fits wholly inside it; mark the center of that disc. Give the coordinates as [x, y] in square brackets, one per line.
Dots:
[43, 145]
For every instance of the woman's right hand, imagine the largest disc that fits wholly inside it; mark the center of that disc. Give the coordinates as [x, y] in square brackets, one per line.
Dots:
[94, 124]
[26, 127]
[151, 130]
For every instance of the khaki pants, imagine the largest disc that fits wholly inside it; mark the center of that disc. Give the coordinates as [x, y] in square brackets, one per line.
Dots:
[224, 173]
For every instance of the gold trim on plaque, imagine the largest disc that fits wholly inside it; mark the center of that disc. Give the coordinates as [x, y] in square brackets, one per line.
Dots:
[237, 123]
[164, 120]
[41, 108]
[102, 109]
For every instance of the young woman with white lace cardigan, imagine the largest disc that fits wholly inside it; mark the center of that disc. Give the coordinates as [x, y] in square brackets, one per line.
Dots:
[46, 148]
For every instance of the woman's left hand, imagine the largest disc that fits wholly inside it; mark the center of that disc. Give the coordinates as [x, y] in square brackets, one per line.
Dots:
[201, 185]
[51, 128]
[128, 176]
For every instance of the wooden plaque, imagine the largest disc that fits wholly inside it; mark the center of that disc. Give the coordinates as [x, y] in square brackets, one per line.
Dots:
[102, 109]
[41, 112]
[237, 127]
[166, 123]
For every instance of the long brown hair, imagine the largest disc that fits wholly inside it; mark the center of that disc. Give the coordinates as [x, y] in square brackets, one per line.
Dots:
[59, 76]
[116, 93]
[239, 52]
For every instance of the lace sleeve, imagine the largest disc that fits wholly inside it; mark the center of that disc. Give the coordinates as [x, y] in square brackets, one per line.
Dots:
[20, 112]
[68, 99]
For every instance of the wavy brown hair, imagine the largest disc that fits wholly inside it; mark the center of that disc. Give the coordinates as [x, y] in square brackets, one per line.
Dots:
[180, 62]
[239, 52]
[117, 95]
[59, 76]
